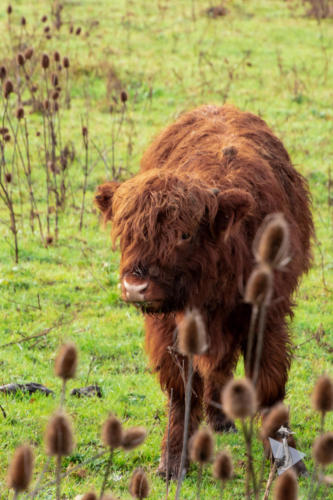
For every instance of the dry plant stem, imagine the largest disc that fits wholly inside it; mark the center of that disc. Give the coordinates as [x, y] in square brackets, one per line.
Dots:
[199, 481]
[48, 189]
[261, 476]
[312, 488]
[249, 468]
[270, 481]
[58, 477]
[85, 182]
[63, 393]
[39, 480]
[322, 422]
[254, 315]
[188, 393]
[168, 446]
[260, 342]
[222, 489]
[16, 494]
[107, 473]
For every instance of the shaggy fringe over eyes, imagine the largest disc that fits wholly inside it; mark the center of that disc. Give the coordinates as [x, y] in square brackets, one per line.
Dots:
[143, 203]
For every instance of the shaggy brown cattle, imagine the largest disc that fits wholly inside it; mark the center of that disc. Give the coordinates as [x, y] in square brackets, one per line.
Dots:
[186, 224]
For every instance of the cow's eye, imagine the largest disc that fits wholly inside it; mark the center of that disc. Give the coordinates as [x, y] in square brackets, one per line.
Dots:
[186, 236]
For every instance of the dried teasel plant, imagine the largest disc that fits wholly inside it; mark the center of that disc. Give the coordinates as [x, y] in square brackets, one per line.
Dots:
[89, 496]
[112, 438]
[286, 487]
[323, 449]
[322, 397]
[278, 416]
[139, 485]
[201, 451]
[20, 469]
[133, 437]
[223, 468]
[192, 340]
[65, 366]
[271, 244]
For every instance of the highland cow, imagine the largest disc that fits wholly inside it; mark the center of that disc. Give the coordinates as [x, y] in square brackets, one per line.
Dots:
[186, 224]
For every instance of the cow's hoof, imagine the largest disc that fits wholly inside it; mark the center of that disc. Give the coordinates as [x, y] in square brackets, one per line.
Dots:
[173, 468]
[300, 469]
[220, 423]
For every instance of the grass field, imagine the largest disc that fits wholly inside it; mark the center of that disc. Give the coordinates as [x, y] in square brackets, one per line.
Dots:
[263, 57]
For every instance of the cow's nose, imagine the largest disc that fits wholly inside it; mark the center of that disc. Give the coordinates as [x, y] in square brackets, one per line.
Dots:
[134, 292]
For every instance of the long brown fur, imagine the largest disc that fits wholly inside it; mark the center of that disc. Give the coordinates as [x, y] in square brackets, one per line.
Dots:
[186, 224]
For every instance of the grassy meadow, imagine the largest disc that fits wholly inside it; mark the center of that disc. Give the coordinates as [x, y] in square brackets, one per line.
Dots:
[264, 56]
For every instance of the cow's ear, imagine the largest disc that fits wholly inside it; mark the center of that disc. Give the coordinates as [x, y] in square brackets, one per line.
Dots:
[233, 205]
[104, 197]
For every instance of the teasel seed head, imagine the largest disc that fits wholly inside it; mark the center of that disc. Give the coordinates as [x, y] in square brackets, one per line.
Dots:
[3, 73]
[34, 88]
[239, 399]
[223, 467]
[123, 96]
[8, 177]
[84, 131]
[271, 243]
[56, 56]
[44, 19]
[9, 9]
[45, 61]
[54, 80]
[20, 113]
[323, 449]
[133, 437]
[192, 337]
[202, 446]
[66, 361]
[20, 469]
[46, 105]
[259, 287]
[23, 21]
[49, 240]
[47, 29]
[89, 496]
[322, 396]
[4, 130]
[65, 62]
[139, 486]
[71, 29]
[277, 416]
[6, 137]
[55, 95]
[112, 433]
[59, 436]
[55, 106]
[78, 31]
[8, 88]
[107, 496]
[286, 487]
[29, 53]
[20, 59]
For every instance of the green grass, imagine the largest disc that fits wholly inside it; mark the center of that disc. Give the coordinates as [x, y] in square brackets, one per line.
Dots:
[156, 49]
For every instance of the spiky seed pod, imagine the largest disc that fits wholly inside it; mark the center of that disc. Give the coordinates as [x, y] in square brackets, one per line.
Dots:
[66, 361]
[4, 130]
[20, 59]
[89, 496]
[8, 177]
[139, 486]
[59, 436]
[107, 496]
[8, 88]
[71, 29]
[6, 138]
[84, 131]
[112, 432]
[323, 449]
[133, 438]
[34, 88]
[239, 399]
[48, 36]
[286, 487]
[322, 396]
[20, 113]
[259, 287]
[56, 56]
[223, 468]
[65, 62]
[123, 96]
[37, 133]
[192, 338]
[47, 29]
[59, 67]
[9, 9]
[29, 53]
[55, 106]
[55, 95]
[20, 469]
[202, 446]
[279, 415]
[44, 19]
[45, 61]
[271, 243]
[46, 104]
[78, 31]
[3, 73]
[23, 21]
[49, 240]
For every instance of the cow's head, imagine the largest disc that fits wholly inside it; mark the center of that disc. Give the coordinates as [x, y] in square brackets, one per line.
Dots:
[170, 229]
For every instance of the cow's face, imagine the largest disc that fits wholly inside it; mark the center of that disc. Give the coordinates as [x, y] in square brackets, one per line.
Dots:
[169, 228]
